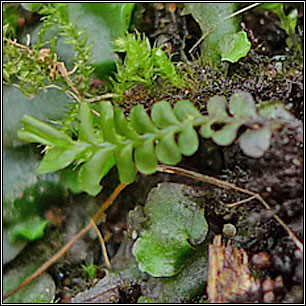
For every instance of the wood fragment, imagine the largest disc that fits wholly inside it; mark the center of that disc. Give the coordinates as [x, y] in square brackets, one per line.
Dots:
[229, 275]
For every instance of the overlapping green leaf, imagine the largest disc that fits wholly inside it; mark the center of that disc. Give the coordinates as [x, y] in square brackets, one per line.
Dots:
[167, 150]
[173, 220]
[163, 115]
[94, 169]
[141, 122]
[59, 158]
[184, 109]
[125, 163]
[138, 143]
[86, 128]
[145, 157]
[188, 140]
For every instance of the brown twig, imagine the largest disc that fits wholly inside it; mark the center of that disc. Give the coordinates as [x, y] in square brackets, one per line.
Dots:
[62, 251]
[15, 43]
[226, 185]
[103, 247]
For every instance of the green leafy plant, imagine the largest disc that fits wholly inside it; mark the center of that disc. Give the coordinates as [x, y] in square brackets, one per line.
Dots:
[138, 143]
[10, 18]
[25, 195]
[90, 270]
[172, 221]
[31, 6]
[142, 64]
[288, 23]
[223, 38]
[33, 69]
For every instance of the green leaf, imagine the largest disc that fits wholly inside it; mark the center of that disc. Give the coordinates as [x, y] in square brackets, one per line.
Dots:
[167, 150]
[234, 46]
[122, 126]
[145, 157]
[11, 249]
[26, 194]
[254, 143]
[292, 18]
[163, 115]
[31, 228]
[104, 22]
[58, 158]
[242, 105]
[92, 172]
[32, 7]
[206, 130]
[40, 290]
[216, 107]
[270, 6]
[69, 178]
[155, 257]
[107, 122]
[86, 128]
[46, 133]
[172, 219]
[140, 121]
[226, 135]
[50, 105]
[214, 25]
[184, 109]
[188, 140]
[275, 110]
[125, 164]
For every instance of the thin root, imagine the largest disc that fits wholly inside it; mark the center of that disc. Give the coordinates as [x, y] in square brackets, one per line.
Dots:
[62, 251]
[226, 185]
[103, 247]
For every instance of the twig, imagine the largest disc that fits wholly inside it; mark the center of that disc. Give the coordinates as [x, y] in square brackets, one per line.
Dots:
[226, 185]
[61, 252]
[240, 202]
[203, 36]
[99, 98]
[63, 71]
[242, 10]
[103, 247]
[15, 43]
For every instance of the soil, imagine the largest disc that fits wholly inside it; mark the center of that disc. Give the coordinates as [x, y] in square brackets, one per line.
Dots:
[270, 73]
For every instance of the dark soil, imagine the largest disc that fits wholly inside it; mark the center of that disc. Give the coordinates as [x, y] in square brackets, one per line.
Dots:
[269, 72]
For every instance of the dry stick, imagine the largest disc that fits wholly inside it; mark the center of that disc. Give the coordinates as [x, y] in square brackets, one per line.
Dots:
[102, 97]
[203, 36]
[15, 43]
[226, 185]
[103, 247]
[242, 10]
[240, 202]
[61, 252]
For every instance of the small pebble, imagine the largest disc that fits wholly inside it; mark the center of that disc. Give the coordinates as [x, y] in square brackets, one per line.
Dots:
[261, 260]
[279, 283]
[268, 285]
[269, 297]
[229, 229]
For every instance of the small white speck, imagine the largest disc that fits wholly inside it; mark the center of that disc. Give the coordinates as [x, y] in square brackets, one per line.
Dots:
[134, 235]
